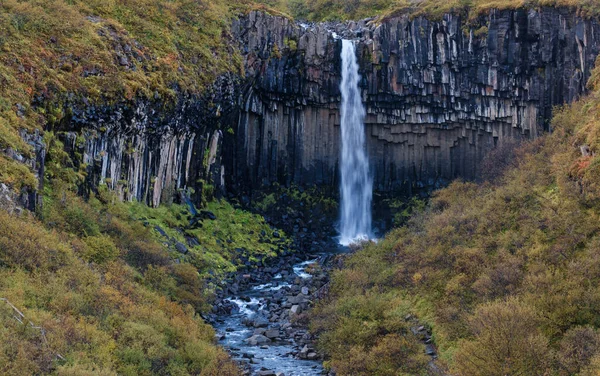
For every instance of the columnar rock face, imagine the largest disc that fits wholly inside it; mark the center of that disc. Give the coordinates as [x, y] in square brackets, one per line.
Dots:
[149, 153]
[439, 95]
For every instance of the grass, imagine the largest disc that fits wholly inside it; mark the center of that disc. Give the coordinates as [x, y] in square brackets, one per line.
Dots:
[325, 10]
[101, 317]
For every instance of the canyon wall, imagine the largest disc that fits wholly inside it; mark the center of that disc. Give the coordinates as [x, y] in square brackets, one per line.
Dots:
[439, 95]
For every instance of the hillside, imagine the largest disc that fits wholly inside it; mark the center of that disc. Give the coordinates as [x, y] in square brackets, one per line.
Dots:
[327, 10]
[110, 288]
[62, 52]
[505, 273]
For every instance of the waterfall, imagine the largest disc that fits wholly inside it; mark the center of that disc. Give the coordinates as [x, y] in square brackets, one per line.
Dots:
[356, 187]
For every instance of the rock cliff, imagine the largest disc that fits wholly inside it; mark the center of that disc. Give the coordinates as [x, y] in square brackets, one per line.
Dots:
[439, 95]
[148, 152]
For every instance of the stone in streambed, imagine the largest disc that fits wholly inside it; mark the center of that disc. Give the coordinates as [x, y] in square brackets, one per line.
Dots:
[261, 323]
[257, 339]
[303, 354]
[272, 333]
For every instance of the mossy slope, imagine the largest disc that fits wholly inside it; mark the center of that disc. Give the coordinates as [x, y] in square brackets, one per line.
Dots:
[326, 10]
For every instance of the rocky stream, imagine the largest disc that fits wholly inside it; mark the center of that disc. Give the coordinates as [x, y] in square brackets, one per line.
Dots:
[261, 317]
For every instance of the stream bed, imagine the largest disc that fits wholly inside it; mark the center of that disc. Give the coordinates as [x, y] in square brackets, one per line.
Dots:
[260, 319]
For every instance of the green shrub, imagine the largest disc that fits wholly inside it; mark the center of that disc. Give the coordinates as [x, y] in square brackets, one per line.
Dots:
[100, 249]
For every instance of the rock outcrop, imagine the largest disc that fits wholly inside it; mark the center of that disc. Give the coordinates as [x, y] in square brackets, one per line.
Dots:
[439, 95]
[147, 152]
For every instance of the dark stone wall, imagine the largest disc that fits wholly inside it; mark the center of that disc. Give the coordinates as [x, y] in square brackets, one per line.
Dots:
[439, 95]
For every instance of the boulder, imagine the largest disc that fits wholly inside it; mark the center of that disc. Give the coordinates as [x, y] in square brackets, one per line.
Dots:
[181, 248]
[272, 333]
[257, 339]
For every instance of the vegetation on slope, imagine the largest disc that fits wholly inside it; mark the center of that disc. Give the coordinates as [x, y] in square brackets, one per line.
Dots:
[330, 10]
[109, 284]
[507, 273]
[101, 314]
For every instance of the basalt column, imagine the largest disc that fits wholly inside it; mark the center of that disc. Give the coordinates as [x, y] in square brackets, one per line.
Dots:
[438, 94]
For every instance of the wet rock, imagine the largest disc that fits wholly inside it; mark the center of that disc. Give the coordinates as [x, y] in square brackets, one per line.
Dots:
[257, 340]
[272, 333]
[261, 323]
[303, 354]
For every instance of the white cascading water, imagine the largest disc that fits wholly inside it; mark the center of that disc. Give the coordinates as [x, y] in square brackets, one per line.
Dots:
[356, 184]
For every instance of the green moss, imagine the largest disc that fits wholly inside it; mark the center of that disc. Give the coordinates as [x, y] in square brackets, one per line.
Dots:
[291, 44]
[403, 209]
[482, 31]
[234, 234]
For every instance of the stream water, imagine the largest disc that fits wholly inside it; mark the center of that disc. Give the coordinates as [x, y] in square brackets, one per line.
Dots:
[260, 328]
[253, 306]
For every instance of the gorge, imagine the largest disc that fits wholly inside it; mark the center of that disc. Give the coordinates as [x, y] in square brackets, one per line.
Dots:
[187, 166]
[438, 96]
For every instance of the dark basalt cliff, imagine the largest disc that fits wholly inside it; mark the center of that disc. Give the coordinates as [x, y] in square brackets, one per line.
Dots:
[148, 152]
[439, 95]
